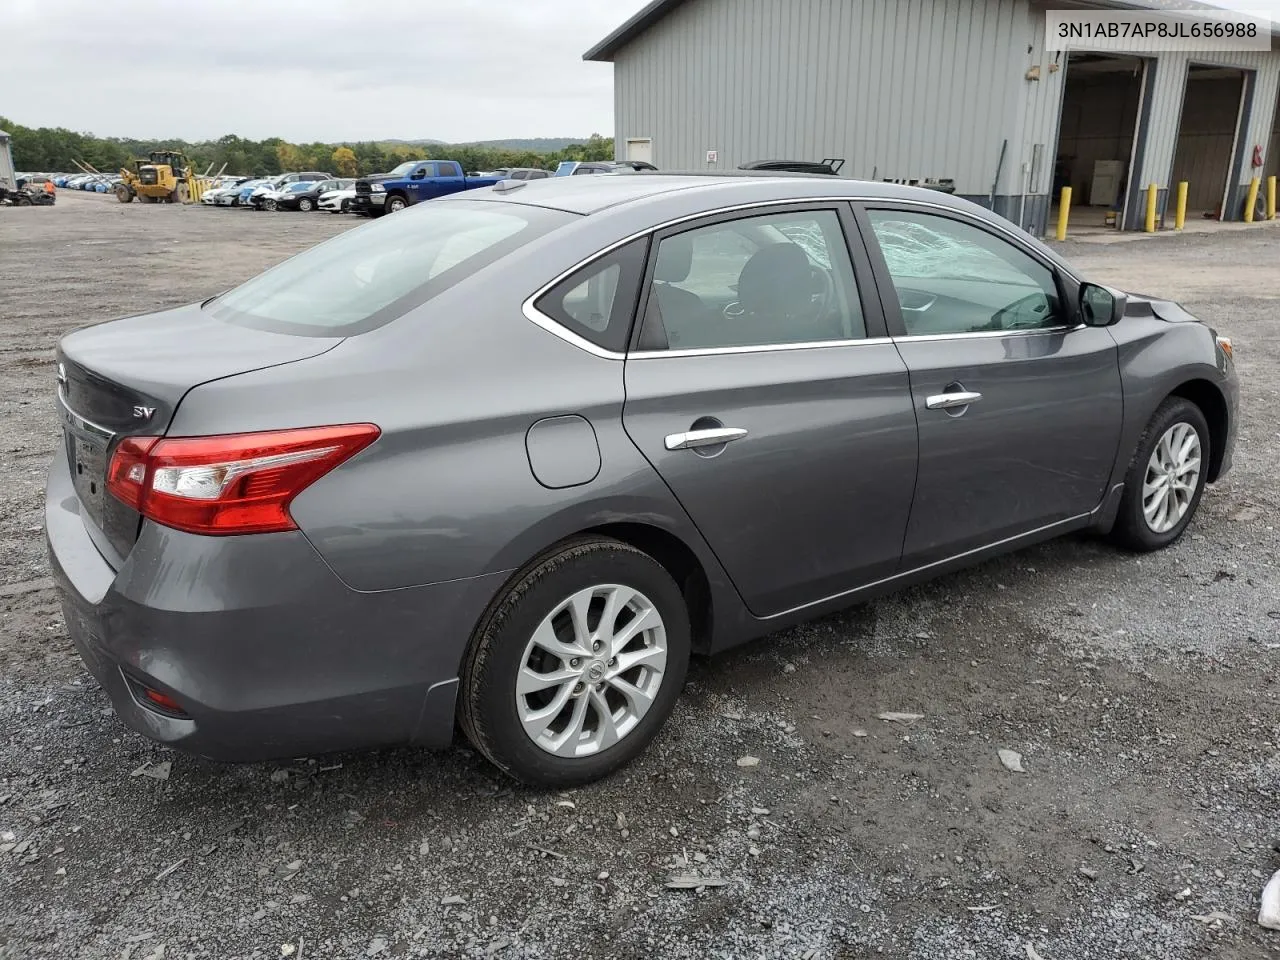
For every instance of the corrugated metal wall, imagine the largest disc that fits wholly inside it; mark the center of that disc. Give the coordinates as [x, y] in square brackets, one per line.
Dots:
[903, 88]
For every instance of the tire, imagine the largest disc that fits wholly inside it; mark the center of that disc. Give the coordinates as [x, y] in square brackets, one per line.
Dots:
[123, 193]
[179, 194]
[502, 650]
[1176, 419]
[344, 207]
[22, 200]
[395, 203]
[270, 204]
[306, 205]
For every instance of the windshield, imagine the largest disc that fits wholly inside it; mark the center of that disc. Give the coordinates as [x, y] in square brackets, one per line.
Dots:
[405, 167]
[298, 187]
[375, 273]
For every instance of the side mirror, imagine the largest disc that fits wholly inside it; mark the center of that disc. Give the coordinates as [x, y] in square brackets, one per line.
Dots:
[418, 174]
[1101, 306]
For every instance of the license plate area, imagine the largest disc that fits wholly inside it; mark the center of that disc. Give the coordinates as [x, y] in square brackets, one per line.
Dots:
[87, 457]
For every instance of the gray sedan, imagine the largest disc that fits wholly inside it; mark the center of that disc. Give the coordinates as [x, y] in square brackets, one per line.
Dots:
[508, 460]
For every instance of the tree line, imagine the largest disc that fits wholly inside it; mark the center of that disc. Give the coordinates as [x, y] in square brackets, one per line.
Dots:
[53, 149]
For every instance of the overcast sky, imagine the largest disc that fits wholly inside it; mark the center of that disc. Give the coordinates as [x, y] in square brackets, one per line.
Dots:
[311, 70]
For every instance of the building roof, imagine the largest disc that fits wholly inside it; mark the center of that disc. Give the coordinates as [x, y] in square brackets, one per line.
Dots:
[654, 11]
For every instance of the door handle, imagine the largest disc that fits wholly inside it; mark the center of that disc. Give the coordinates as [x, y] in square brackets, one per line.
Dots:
[703, 438]
[947, 401]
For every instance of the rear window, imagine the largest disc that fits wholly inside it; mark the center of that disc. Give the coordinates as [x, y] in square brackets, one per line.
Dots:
[377, 272]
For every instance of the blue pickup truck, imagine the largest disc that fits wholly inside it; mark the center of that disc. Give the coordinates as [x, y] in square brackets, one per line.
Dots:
[410, 183]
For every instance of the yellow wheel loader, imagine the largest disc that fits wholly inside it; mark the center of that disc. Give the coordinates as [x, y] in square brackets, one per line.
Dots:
[164, 177]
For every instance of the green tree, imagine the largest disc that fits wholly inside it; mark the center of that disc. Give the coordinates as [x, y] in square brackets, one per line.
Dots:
[344, 162]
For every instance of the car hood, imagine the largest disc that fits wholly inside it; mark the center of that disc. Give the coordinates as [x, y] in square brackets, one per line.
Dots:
[381, 178]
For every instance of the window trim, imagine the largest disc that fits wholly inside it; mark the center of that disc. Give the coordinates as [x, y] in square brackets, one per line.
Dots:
[1065, 281]
[850, 207]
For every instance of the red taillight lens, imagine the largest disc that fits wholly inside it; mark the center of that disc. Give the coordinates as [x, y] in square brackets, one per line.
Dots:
[238, 483]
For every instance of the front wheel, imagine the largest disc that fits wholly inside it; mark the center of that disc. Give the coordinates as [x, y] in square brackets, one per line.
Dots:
[306, 205]
[395, 204]
[1166, 478]
[575, 668]
[123, 193]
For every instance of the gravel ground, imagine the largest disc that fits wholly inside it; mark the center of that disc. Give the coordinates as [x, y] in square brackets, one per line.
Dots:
[1141, 694]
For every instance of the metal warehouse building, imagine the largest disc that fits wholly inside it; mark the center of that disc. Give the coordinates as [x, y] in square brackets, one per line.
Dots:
[912, 90]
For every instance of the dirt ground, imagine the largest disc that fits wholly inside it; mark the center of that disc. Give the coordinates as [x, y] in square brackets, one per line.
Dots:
[1141, 693]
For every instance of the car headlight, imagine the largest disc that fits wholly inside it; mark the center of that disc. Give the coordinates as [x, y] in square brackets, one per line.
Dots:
[377, 188]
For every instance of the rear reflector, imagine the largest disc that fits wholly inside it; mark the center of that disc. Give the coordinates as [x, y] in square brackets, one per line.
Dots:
[162, 700]
[232, 484]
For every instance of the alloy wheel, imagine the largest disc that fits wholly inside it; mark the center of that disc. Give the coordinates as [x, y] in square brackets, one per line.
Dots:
[1172, 477]
[591, 670]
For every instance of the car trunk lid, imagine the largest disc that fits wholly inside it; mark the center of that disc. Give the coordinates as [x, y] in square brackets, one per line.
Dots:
[127, 377]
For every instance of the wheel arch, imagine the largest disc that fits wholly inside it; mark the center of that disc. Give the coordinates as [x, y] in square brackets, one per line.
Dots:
[1209, 398]
[680, 562]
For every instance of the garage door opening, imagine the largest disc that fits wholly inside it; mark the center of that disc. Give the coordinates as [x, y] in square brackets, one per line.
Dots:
[1098, 134]
[1272, 167]
[1213, 110]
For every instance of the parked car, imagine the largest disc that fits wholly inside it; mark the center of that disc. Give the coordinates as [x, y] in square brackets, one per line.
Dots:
[305, 195]
[258, 198]
[577, 168]
[228, 187]
[405, 477]
[527, 173]
[242, 198]
[410, 183]
[338, 201]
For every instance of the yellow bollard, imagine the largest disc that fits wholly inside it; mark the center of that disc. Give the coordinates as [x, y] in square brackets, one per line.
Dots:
[1252, 202]
[1180, 215]
[1064, 212]
[1271, 197]
[1152, 192]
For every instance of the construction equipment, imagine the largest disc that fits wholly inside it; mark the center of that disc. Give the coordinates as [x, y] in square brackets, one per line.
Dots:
[164, 176]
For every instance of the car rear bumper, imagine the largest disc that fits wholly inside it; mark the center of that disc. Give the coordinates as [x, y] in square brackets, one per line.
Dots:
[265, 650]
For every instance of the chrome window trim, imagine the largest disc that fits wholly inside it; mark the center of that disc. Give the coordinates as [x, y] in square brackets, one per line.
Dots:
[757, 348]
[555, 328]
[989, 334]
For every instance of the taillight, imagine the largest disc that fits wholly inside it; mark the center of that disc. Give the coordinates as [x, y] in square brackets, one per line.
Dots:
[232, 484]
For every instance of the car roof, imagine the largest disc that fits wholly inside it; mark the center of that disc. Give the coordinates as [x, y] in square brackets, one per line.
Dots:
[588, 195]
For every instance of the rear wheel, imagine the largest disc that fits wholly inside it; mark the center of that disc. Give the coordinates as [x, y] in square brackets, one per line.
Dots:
[179, 194]
[306, 205]
[1166, 478]
[575, 668]
[345, 206]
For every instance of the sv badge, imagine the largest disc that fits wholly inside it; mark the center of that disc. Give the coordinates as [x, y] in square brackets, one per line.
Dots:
[143, 413]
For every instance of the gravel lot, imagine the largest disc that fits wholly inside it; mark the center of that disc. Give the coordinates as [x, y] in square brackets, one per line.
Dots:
[1142, 695]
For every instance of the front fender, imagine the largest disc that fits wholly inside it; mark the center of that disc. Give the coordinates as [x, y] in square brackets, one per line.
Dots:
[1157, 359]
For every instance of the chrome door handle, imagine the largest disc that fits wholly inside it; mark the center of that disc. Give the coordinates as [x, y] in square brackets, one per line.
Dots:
[946, 401]
[703, 438]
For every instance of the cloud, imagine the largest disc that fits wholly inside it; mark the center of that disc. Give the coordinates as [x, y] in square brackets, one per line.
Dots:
[321, 70]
